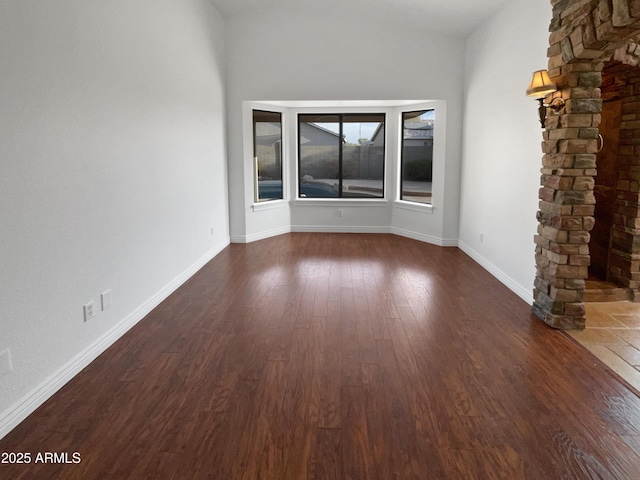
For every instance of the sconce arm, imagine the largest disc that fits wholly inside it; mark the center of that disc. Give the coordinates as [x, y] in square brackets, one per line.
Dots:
[556, 105]
[542, 111]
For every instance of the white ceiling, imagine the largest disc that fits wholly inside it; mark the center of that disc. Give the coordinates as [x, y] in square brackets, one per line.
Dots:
[459, 17]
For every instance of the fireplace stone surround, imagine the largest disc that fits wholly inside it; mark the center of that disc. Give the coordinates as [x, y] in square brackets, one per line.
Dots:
[586, 35]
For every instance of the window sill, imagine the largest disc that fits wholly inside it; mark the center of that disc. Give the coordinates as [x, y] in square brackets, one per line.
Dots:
[345, 202]
[269, 205]
[414, 206]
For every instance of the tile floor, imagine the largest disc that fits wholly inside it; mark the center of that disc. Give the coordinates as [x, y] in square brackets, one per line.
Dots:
[613, 335]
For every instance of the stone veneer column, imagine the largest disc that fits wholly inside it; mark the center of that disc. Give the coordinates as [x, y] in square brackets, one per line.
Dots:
[567, 202]
[584, 33]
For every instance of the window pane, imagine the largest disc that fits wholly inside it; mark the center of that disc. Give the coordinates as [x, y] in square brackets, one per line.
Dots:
[363, 156]
[267, 152]
[417, 156]
[319, 155]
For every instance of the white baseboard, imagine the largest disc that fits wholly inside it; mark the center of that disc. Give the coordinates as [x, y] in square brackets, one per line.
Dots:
[260, 236]
[524, 293]
[346, 229]
[30, 402]
[442, 242]
[339, 229]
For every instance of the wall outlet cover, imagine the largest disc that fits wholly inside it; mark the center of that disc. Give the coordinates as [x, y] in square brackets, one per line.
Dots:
[89, 312]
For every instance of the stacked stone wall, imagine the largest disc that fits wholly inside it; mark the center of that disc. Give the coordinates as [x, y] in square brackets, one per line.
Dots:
[625, 247]
[584, 34]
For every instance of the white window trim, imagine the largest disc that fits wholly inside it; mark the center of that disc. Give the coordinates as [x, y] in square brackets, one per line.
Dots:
[269, 204]
[248, 108]
[346, 202]
[414, 206]
[439, 141]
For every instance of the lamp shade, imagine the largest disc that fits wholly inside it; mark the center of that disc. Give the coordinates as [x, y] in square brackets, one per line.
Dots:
[541, 84]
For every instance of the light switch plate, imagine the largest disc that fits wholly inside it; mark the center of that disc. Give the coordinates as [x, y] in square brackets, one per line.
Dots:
[106, 299]
[5, 362]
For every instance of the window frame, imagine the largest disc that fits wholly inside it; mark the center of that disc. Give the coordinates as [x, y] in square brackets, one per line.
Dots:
[439, 155]
[401, 154]
[341, 115]
[256, 192]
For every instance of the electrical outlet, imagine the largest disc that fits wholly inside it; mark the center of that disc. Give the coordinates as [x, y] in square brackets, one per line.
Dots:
[213, 231]
[5, 362]
[482, 238]
[89, 313]
[105, 300]
[340, 212]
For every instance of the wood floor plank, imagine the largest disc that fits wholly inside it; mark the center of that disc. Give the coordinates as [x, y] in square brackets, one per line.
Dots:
[327, 334]
[328, 459]
[337, 356]
[355, 445]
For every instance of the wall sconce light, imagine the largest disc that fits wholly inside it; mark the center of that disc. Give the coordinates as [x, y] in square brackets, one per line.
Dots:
[541, 86]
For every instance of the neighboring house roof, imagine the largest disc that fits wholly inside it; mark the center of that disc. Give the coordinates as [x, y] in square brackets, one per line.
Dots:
[315, 125]
[418, 130]
[270, 133]
[377, 132]
[268, 140]
[412, 131]
[320, 136]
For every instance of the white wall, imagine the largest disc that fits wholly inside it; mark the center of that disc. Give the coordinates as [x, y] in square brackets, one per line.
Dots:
[113, 173]
[301, 55]
[501, 146]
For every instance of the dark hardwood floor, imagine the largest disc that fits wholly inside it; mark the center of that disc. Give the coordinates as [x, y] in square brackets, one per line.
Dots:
[338, 356]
